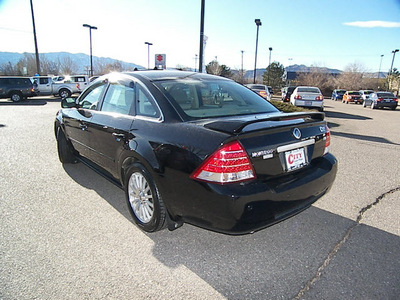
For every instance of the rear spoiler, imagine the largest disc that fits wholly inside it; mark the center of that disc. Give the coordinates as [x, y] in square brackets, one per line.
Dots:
[237, 125]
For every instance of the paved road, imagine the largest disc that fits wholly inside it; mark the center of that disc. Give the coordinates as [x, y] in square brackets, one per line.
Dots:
[65, 232]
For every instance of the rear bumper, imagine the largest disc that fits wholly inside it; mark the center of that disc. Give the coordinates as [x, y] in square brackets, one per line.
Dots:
[309, 103]
[386, 104]
[247, 207]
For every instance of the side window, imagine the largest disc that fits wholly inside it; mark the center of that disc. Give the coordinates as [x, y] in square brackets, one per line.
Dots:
[43, 80]
[145, 105]
[92, 96]
[118, 99]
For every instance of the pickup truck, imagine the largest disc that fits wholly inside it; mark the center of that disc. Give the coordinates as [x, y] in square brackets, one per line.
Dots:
[82, 81]
[46, 86]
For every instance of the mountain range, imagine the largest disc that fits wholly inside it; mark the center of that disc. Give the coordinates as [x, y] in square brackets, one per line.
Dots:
[82, 60]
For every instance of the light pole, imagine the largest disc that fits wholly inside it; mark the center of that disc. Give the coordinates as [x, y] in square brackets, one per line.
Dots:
[201, 50]
[258, 23]
[90, 37]
[195, 62]
[394, 53]
[379, 73]
[269, 63]
[148, 54]
[34, 37]
[241, 77]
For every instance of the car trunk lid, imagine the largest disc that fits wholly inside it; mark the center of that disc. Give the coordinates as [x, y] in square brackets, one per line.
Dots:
[278, 143]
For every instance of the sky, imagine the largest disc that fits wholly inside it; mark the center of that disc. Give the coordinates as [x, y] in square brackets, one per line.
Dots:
[324, 33]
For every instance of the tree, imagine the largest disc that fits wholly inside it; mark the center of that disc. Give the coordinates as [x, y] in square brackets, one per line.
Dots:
[319, 77]
[352, 78]
[216, 69]
[394, 81]
[26, 65]
[7, 69]
[273, 75]
[115, 66]
[48, 67]
[68, 66]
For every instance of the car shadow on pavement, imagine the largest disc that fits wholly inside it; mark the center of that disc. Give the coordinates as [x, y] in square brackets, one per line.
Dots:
[361, 137]
[340, 115]
[279, 261]
[30, 102]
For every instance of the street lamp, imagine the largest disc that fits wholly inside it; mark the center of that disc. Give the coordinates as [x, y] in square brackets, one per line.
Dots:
[379, 73]
[394, 53]
[258, 23]
[90, 36]
[270, 50]
[269, 63]
[35, 40]
[201, 50]
[148, 54]
[241, 76]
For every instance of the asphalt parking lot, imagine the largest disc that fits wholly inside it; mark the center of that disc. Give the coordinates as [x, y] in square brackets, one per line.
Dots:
[65, 232]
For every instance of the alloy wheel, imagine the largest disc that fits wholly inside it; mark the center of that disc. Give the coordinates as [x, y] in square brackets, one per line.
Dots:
[141, 197]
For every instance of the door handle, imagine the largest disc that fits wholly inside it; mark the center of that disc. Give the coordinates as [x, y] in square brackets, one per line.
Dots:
[83, 126]
[118, 135]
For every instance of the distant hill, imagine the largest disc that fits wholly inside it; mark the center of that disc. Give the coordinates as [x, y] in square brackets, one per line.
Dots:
[82, 60]
[296, 69]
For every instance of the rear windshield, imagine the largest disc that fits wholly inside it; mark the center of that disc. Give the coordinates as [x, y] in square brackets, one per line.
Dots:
[213, 98]
[385, 95]
[258, 87]
[308, 90]
[354, 93]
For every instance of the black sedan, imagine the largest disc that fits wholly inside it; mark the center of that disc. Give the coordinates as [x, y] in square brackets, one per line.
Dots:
[197, 148]
[381, 99]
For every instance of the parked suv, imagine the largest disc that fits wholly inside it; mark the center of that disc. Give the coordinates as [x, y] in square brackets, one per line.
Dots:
[338, 94]
[16, 88]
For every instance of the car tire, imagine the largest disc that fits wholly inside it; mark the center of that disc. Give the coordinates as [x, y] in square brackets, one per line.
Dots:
[16, 96]
[64, 93]
[65, 149]
[144, 200]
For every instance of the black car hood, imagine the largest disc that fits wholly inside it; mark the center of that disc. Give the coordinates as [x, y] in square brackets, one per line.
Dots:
[248, 123]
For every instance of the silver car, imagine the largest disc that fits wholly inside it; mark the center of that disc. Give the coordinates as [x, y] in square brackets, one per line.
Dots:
[307, 96]
[365, 94]
[260, 89]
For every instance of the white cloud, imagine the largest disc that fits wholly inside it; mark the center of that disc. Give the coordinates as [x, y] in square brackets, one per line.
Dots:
[372, 24]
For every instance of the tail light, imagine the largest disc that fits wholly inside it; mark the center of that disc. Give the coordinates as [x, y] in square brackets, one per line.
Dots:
[297, 97]
[229, 164]
[327, 139]
[319, 98]
[379, 99]
[77, 86]
[395, 99]
[263, 94]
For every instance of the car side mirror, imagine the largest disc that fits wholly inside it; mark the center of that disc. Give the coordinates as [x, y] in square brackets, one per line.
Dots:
[69, 102]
